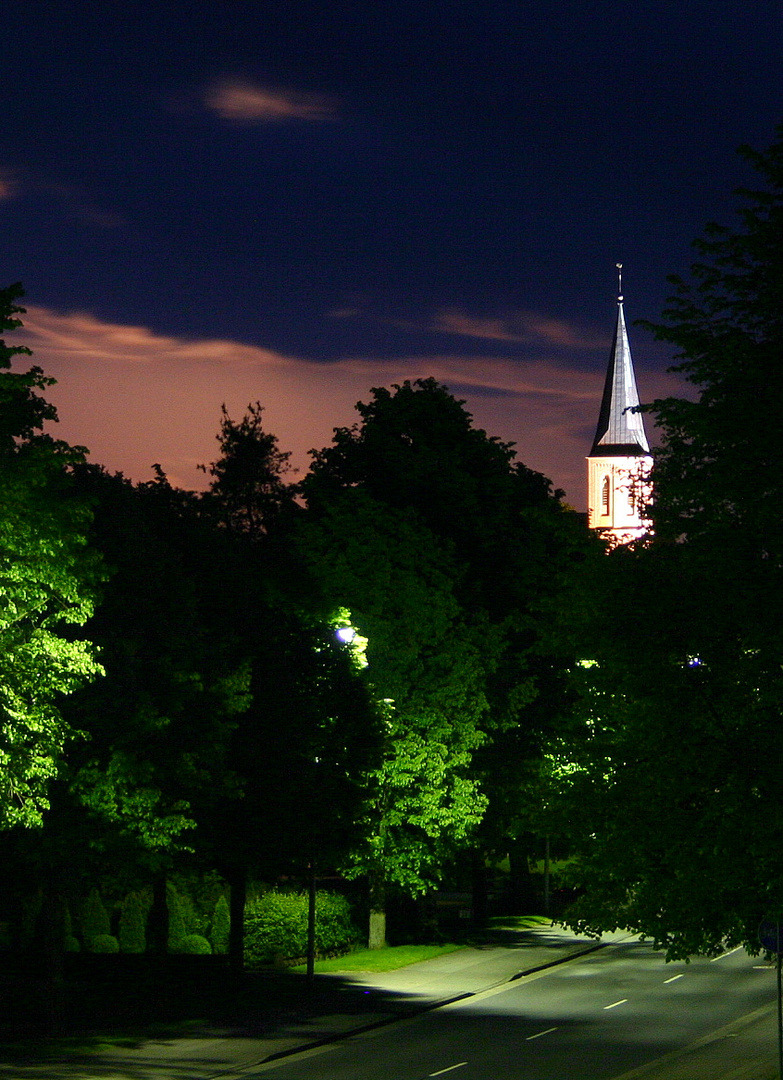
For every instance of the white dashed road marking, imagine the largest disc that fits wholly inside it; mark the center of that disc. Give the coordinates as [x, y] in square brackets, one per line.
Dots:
[539, 1034]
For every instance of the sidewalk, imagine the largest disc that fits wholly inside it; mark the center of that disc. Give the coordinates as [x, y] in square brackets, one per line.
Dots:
[296, 1017]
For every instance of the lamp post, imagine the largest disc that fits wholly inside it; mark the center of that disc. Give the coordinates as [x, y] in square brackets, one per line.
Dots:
[345, 635]
[311, 921]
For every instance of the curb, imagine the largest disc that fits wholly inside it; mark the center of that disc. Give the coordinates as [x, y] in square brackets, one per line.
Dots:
[386, 1021]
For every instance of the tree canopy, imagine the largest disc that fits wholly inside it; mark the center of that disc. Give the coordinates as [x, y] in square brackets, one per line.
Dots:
[440, 544]
[48, 580]
[672, 792]
[717, 470]
[310, 732]
[177, 674]
[248, 491]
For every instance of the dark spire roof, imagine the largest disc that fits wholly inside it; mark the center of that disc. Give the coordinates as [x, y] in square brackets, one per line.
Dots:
[620, 431]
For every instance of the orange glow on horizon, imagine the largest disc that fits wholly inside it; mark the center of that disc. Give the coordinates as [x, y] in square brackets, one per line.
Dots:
[135, 397]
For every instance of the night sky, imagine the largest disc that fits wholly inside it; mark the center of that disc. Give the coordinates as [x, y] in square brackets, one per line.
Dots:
[292, 202]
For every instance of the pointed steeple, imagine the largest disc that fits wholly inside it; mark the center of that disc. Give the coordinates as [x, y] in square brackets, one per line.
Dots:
[618, 466]
[620, 432]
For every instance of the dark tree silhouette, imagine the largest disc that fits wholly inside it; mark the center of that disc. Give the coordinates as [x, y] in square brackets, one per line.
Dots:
[674, 788]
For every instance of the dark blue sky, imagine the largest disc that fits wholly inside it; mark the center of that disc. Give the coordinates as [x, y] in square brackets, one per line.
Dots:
[420, 188]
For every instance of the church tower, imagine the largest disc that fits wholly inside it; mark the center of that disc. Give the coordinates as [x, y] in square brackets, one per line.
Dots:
[619, 462]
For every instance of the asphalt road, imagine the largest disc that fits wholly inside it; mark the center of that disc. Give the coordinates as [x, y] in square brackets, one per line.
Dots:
[590, 1019]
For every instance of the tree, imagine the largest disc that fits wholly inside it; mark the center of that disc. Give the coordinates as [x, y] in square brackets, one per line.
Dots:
[426, 672]
[48, 580]
[718, 468]
[248, 491]
[673, 790]
[310, 733]
[177, 677]
[437, 540]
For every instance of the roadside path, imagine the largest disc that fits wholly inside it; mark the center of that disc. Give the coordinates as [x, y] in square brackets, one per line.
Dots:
[347, 1003]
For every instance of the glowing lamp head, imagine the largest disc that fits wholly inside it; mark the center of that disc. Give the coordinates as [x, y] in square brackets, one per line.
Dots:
[345, 634]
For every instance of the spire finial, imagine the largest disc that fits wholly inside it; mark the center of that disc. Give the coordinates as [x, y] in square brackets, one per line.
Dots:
[619, 282]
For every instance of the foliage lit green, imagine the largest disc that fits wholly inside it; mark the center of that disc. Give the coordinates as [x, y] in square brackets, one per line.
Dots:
[390, 958]
[194, 945]
[132, 927]
[220, 926]
[177, 678]
[47, 585]
[276, 926]
[104, 943]
[95, 919]
[440, 543]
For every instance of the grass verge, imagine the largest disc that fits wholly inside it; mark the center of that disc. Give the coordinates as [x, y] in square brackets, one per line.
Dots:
[393, 957]
[519, 922]
[389, 958]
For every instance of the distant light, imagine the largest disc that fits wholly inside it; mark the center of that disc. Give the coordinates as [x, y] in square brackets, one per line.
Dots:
[346, 634]
[694, 661]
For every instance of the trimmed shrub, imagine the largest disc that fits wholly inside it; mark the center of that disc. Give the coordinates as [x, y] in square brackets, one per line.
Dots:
[104, 943]
[276, 925]
[193, 920]
[176, 922]
[133, 922]
[221, 926]
[30, 913]
[70, 941]
[95, 921]
[195, 945]
[198, 893]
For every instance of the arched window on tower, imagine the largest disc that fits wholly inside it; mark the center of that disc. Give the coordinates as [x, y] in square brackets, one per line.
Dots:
[605, 495]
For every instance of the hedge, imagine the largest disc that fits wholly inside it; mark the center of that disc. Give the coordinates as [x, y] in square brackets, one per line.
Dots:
[221, 926]
[104, 943]
[195, 945]
[276, 926]
[133, 920]
[95, 921]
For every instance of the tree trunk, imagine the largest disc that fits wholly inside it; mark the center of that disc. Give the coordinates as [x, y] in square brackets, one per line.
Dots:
[236, 934]
[52, 943]
[158, 946]
[377, 934]
[428, 918]
[547, 879]
[523, 893]
[480, 887]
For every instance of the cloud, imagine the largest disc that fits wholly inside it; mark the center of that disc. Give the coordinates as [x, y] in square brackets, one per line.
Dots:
[85, 336]
[558, 332]
[452, 321]
[135, 397]
[246, 102]
[521, 327]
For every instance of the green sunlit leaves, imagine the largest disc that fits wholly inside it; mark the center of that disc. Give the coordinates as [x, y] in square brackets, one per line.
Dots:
[48, 580]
